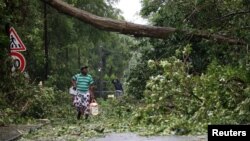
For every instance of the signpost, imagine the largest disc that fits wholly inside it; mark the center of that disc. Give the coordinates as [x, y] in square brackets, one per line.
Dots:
[19, 61]
[16, 44]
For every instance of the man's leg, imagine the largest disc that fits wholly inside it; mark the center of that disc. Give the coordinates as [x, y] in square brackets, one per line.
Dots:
[73, 100]
[116, 93]
[78, 113]
[86, 105]
[86, 116]
[76, 103]
[79, 105]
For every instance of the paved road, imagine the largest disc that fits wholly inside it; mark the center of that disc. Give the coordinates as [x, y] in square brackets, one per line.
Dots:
[134, 137]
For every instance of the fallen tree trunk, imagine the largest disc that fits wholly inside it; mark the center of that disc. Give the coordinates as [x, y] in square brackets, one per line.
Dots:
[137, 30]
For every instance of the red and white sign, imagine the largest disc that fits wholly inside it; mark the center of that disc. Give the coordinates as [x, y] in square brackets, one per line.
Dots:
[16, 43]
[19, 61]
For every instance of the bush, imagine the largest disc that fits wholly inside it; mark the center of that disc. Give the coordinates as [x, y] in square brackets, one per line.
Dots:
[219, 96]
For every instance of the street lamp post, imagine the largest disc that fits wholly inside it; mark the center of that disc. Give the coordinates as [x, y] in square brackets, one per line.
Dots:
[101, 71]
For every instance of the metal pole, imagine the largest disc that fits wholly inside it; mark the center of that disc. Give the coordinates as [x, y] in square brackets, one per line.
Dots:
[79, 57]
[101, 71]
[46, 50]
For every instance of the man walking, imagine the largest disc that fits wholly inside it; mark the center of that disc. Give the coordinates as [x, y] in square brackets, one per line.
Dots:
[83, 83]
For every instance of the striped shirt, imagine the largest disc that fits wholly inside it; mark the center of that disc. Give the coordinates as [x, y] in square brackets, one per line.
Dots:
[83, 82]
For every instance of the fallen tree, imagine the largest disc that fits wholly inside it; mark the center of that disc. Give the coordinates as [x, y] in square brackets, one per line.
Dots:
[136, 30]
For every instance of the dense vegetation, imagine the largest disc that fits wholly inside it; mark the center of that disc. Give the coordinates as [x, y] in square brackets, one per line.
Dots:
[187, 81]
[70, 45]
[177, 85]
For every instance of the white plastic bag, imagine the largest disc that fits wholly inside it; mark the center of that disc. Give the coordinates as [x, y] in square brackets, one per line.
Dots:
[72, 91]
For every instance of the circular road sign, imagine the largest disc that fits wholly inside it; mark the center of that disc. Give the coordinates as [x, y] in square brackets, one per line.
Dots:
[19, 61]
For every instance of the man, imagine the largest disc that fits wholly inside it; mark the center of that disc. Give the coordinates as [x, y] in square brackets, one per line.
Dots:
[83, 83]
[118, 87]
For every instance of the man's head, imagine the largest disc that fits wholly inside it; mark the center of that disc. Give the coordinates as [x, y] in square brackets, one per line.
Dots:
[84, 70]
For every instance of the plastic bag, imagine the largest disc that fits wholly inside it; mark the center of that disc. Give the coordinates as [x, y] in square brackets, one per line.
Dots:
[72, 91]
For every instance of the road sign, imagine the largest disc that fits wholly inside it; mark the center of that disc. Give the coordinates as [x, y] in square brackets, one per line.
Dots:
[16, 43]
[19, 61]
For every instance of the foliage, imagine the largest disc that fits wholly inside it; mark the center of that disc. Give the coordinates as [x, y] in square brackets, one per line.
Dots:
[19, 98]
[225, 19]
[74, 43]
[174, 86]
[219, 96]
[138, 72]
[71, 43]
[26, 101]
[113, 117]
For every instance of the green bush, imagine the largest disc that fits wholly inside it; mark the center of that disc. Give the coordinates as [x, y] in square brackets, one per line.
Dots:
[219, 96]
[19, 97]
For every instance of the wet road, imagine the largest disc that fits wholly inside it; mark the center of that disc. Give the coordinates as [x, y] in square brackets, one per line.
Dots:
[134, 137]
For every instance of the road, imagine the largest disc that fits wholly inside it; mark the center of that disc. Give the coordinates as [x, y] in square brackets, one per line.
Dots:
[134, 137]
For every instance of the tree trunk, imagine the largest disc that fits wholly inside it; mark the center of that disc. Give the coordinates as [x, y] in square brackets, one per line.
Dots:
[134, 29]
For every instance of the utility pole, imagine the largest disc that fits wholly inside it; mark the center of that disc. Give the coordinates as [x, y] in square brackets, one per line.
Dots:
[101, 71]
[79, 57]
[46, 50]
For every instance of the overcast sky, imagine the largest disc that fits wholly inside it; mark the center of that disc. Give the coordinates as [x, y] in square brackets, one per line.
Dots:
[131, 9]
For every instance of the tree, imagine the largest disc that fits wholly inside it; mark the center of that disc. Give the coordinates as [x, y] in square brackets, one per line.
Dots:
[74, 43]
[134, 29]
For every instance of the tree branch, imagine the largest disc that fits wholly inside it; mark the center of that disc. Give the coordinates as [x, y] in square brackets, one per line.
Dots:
[129, 28]
[236, 13]
[231, 15]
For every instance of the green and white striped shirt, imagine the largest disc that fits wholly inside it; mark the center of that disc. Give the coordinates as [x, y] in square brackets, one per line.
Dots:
[83, 82]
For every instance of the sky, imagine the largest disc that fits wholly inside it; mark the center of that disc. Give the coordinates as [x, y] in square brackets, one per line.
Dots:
[131, 9]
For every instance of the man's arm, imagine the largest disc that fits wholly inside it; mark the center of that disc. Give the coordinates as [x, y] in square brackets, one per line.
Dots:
[91, 91]
[73, 84]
